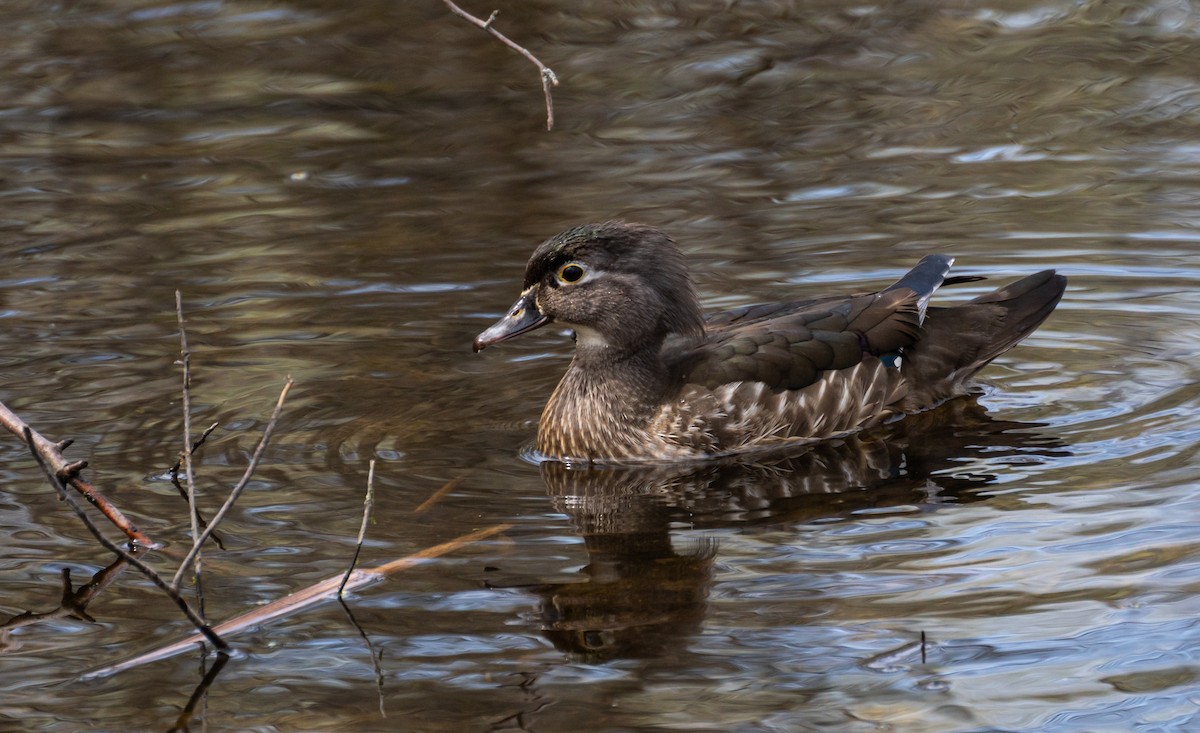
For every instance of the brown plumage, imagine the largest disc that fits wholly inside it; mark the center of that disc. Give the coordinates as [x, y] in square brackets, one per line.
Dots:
[653, 381]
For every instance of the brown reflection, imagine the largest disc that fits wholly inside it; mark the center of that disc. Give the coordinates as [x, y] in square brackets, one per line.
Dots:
[641, 597]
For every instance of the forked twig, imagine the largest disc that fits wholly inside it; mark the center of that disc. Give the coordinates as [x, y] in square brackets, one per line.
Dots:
[174, 472]
[205, 631]
[237, 490]
[549, 78]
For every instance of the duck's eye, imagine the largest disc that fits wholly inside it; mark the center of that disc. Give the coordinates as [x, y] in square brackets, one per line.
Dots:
[570, 273]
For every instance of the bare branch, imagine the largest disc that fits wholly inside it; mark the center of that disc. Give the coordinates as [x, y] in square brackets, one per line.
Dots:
[68, 473]
[193, 513]
[362, 529]
[124, 554]
[549, 78]
[237, 490]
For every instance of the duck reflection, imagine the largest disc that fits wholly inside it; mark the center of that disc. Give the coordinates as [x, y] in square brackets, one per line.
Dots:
[641, 595]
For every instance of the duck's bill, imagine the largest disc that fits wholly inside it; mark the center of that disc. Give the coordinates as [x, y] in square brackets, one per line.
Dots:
[523, 317]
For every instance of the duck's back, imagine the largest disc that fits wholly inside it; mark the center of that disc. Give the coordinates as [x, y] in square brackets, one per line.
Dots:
[813, 369]
[789, 372]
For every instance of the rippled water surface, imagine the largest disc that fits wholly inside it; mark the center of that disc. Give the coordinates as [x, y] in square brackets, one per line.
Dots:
[346, 193]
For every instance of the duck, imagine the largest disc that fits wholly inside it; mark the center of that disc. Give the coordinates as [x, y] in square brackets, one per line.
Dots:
[655, 381]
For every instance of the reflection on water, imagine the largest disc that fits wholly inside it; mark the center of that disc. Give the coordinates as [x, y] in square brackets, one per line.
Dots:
[643, 598]
[344, 192]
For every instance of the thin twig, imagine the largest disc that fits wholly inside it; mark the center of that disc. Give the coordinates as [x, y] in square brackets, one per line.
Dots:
[68, 473]
[124, 554]
[362, 529]
[174, 471]
[185, 356]
[549, 78]
[237, 490]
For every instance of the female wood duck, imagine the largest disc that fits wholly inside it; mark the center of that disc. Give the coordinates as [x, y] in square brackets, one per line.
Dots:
[653, 380]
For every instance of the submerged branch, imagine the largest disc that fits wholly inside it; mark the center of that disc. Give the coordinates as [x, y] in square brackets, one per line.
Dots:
[74, 602]
[436, 496]
[302, 599]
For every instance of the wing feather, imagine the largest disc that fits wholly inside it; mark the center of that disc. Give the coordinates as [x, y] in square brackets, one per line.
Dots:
[788, 346]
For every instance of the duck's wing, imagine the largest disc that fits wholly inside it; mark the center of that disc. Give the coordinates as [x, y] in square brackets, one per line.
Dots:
[788, 346]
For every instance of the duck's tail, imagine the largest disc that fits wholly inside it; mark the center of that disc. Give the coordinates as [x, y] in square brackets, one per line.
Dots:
[924, 279]
[957, 342]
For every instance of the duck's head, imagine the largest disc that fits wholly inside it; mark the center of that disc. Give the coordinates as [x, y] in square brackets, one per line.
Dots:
[620, 286]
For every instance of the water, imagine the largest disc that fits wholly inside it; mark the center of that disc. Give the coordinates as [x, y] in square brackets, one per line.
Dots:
[347, 195]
